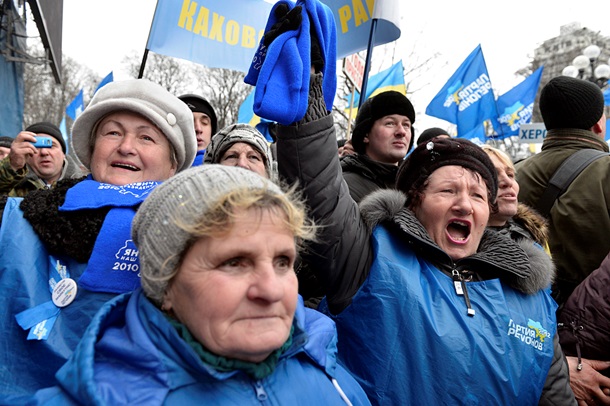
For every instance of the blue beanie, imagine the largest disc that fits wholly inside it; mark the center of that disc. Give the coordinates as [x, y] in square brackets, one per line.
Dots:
[281, 71]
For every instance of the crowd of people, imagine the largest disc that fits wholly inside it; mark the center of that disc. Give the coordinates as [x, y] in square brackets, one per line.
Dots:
[167, 261]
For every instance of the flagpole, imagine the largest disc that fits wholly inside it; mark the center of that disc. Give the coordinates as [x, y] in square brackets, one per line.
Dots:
[143, 64]
[367, 63]
[145, 56]
[351, 109]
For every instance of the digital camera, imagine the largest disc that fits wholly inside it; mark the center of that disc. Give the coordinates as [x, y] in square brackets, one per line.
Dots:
[43, 142]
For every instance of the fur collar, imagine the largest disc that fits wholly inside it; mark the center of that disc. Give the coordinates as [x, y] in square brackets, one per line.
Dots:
[523, 266]
[533, 222]
[63, 233]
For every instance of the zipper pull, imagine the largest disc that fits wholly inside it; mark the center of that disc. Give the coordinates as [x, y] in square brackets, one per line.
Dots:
[460, 289]
[471, 311]
[457, 282]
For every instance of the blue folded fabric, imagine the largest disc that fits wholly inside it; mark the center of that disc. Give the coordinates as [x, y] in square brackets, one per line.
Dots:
[281, 71]
[323, 21]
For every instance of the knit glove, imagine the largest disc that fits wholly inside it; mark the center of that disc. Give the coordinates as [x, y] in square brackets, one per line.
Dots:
[287, 20]
[317, 60]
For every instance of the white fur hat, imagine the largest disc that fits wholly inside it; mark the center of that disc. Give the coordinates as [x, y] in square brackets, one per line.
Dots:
[144, 97]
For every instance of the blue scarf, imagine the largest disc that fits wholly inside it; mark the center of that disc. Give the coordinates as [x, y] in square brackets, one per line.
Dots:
[114, 266]
[199, 158]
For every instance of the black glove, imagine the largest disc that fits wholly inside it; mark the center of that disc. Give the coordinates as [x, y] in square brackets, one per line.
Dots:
[286, 21]
[317, 61]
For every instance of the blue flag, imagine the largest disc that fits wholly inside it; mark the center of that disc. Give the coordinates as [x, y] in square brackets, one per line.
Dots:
[607, 97]
[390, 79]
[226, 34]
[109, 78]
[476, 135]
[515, 107]
[467, 99]
[246, 115]
[76, 107]
[64, 132]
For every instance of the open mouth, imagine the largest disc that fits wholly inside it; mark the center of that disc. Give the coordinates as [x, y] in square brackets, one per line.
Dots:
[125, 166]
[458, 231]
[508, 196]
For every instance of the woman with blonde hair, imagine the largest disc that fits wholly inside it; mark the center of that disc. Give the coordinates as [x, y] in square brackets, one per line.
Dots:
[512, 218]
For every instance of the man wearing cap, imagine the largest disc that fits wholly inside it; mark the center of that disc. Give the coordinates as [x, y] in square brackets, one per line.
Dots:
[579, 221]
[27, 168]
[432, 132]
[206, 122]
[381, 138]
[5, 146]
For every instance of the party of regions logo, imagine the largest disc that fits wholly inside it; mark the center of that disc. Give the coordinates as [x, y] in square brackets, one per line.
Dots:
[533, 333]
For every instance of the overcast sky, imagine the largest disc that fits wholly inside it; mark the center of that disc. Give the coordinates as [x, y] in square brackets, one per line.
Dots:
[100, 33]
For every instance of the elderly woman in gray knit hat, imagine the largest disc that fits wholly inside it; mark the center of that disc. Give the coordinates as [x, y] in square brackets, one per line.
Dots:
[244, 146]
[218, 320]
[74, 246]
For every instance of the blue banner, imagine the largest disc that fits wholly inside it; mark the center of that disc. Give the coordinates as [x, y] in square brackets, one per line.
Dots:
[76, 107]
[467, 99]
[353, 22]
[225, 34]
[607, 97]
[392, 78]
[218, 34]
[515, 107]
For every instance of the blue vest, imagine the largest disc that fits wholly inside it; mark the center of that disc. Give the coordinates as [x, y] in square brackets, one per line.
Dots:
[408, 339]
[24, 282]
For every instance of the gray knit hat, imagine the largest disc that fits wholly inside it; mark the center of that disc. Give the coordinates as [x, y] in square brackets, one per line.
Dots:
[567, 102]
[182, 199]
[229, 135]
[144, 97]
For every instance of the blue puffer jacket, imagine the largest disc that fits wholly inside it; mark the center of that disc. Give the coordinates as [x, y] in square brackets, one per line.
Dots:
[25, 266]
[131, 354]
[502, 353]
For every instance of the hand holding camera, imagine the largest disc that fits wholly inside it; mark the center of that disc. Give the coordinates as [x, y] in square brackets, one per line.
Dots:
[24, 146]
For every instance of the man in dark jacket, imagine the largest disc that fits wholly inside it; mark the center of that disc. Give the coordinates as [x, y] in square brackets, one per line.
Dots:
[382, 137]
[579, 221]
